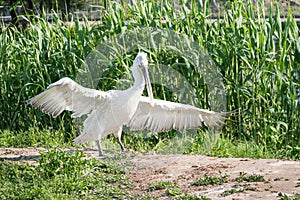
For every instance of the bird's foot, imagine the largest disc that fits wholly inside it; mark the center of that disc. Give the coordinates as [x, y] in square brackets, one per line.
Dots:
[102, 156]
[126, 151]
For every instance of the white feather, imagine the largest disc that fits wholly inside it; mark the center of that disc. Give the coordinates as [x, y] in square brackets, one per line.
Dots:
[166, 115]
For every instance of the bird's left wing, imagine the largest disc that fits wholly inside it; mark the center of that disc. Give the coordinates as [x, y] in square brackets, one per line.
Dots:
[166, 115]
[66, 94]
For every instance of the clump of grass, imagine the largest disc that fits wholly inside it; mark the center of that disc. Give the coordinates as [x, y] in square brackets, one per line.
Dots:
[191, 197]
[173, 191]
[171, 188]
[161, 185]
[62, 175]
[242, 188]
[209, 180]
[249, 178]
[283, 196]
[231, 191]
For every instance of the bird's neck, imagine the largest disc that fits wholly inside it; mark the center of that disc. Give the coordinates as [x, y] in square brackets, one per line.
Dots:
[139, 82]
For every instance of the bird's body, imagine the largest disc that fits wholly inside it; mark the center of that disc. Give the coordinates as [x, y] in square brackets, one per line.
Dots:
[109, 111]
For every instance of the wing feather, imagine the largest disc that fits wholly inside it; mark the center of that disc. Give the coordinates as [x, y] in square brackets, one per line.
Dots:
[166, 115]
[66, 94]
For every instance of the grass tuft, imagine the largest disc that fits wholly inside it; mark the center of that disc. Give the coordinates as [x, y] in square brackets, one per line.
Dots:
[249, 178]
[161, 185]
[209, 180]
[190, 197]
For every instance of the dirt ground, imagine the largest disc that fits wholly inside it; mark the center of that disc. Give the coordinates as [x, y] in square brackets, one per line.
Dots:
[183, 170]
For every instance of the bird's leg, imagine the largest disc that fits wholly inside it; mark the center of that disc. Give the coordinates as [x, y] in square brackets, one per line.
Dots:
[121, 144]
[99, 148]
[118, 137]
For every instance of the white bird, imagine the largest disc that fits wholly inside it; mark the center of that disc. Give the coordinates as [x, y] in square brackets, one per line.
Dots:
[109, 111]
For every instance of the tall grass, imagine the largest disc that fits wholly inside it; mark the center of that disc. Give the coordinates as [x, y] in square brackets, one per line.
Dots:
[33, 58]
[257, 54]
[262, 74]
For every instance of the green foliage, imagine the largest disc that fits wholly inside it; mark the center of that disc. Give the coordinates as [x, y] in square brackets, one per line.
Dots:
[161, 185]
[262, 77]
[283, 196]
[62, 175]
[208, 180]
[190, 197]
[34, 137]
[31, 60]
[261, 74]
[231, 191]
[173, 191]
[251, 178]
[171, 188]
[223, 146]
[237, 189]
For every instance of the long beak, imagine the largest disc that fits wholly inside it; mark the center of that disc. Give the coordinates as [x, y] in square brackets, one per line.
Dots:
[148, 84]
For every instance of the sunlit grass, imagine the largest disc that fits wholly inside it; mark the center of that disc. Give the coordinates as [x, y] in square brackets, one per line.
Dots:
[226, 147]
[62, 175]
[34, 137]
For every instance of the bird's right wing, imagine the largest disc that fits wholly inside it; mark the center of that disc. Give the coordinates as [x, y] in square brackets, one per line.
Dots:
[66, 94]
[166, 115]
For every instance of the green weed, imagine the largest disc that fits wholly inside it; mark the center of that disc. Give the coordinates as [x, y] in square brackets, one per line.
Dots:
[231, 191]
[171, 188]
[190, 197]
[283, 196]
[209, 180]
[249, 178]
[238, 189]
[161, 185]
[173, 191]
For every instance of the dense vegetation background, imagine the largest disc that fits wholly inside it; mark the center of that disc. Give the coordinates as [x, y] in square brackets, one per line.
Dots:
[257, 53]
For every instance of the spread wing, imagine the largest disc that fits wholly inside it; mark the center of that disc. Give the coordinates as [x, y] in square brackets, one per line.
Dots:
[166, 115]
[66, 94]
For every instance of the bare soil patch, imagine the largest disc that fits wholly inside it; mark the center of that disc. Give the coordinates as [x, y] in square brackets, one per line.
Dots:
[280, 176]
[183, 170]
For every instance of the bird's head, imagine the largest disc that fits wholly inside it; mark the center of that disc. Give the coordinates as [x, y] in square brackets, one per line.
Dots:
[141, 64]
